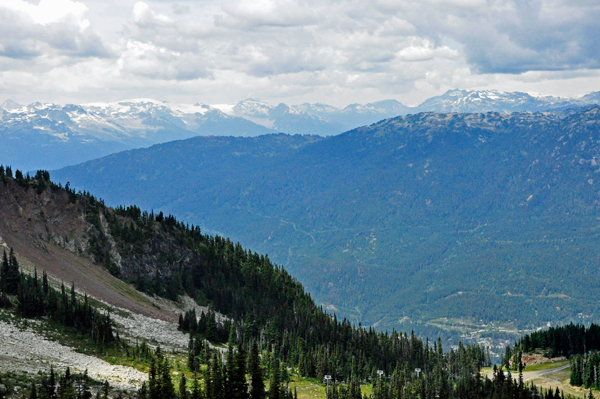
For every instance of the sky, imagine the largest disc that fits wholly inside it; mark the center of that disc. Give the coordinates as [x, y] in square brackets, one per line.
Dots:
[294, 51]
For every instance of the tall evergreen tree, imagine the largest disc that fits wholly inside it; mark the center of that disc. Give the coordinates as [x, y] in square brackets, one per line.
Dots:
[4, 271]
[51, 386]
[84, 387]
[230, 372]
[196, 390]
[33, 393]
[183, 393]
[167, 390]
[239, 386]
[65, 388]
[275, 383]
[45, 286]
[153, 381]
[12, 276]
[105, 389]
[257, 388]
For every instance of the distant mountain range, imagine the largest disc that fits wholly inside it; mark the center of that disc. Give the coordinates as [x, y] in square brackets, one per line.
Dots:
[431, 220]
[50, 136]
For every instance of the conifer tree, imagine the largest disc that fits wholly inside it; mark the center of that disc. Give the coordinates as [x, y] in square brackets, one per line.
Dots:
[196, 391]
[275, 383]
[217, 389]
[33, 393]
[105, 388]
[73, 297]
[257, 389]
[239, 386]
[4, 271]
[183, 394]
[45, 286]
[12, 277]
[51, 385]
[153, 382]
[65, 388]
[84, 387]
[167, 390]
[208, 380]
[230, 372]
[143, 391]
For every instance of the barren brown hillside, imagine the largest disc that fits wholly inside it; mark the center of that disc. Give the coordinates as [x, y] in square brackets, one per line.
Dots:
[48, 231]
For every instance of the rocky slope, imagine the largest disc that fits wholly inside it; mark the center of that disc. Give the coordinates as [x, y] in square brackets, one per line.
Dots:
[50, 231]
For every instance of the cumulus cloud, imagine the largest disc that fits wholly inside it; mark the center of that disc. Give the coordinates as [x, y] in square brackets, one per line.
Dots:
[180, 9]
[53, 32]
[301, 48]
[515, 36]
[278, 13]
[150, 61]
[271, 37]
[143, 15]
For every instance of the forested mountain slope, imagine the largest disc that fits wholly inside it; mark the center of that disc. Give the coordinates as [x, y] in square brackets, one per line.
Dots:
[268, 314]
[487, 217]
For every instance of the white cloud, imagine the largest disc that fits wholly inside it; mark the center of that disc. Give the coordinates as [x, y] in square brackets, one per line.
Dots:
[48, 34]
[149, 61]
[294, 50]
[142, 14]
[48, 11]
[279, 13]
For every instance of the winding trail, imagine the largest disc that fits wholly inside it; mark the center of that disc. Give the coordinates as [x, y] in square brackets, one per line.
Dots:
[545, 374]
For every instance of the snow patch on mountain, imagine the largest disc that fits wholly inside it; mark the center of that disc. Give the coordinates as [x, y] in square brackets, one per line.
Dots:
[71, 133]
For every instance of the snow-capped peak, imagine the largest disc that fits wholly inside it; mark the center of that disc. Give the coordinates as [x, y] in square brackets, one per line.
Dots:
[9, 105]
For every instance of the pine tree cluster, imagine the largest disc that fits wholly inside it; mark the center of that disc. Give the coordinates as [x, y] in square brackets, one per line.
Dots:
[239, 376]
[36, 298]
[585, 370]
[572, 339]
[66, 386]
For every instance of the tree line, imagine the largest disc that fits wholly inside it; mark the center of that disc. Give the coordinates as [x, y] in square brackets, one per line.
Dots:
[68, 385]
[585, 370]
[568, 340]
[238, 376]
[36, 298]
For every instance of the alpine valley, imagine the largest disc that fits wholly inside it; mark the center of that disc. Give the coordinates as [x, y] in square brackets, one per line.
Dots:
[246, 329]
[445, 223]
[178, 271]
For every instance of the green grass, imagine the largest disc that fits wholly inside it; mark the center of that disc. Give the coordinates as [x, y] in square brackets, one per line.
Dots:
[546, 366]
[307, 387]
[313, 388]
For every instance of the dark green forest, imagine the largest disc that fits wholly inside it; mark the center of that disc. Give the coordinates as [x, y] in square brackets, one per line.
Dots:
[585, 370]
[568, 340]
[271, 325]
[490, 216]
[580, 344]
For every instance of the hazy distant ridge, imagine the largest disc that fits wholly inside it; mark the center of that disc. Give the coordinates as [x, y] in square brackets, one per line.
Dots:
[50, 136]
